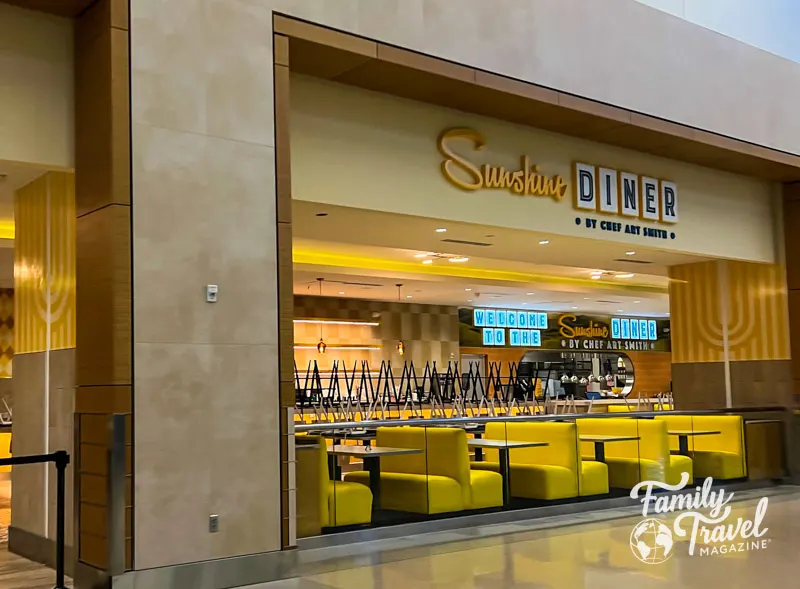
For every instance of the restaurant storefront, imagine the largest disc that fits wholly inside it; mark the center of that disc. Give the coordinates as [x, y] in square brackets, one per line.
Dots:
[454, 267]
[294, 218]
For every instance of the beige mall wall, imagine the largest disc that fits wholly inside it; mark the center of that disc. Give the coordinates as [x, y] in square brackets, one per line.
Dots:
[36, 104]
[204, 208]
[361, 149]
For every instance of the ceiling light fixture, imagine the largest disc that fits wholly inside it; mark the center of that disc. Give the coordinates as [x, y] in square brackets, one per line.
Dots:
[400, 347]
[630, 253]
[321, 345]
[530, 293]
[629, 275]
[574, 307]
[459, 259]
[468, 289]
[409, 297]
[341, 292]
[421, 255]
[441, 230]
[636, 302]
[544, 242]
[620, 311]
[469, 300]
[596, 276]
[427, 261]
[334, 322]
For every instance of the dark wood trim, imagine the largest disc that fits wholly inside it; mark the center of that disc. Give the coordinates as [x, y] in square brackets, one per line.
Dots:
[335, 55]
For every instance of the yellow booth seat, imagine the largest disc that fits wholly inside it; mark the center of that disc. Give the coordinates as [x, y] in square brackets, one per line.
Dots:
[721, 456]
[645, 459]
[621, 408]
[437, 480]
[547, 472]
[340, 503]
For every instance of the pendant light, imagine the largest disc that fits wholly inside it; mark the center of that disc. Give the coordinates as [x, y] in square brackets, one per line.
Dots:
[400, 347]
[321, 345]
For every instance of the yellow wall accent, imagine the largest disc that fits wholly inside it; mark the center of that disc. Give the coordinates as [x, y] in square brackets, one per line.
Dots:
[40, 277]
[6, 332]
[750, 299]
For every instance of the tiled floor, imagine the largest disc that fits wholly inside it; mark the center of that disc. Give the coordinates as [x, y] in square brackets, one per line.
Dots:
[18, 573]
[585, 556]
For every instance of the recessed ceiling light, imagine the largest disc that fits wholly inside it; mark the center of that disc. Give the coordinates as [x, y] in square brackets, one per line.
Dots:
[620, 311]
[530, 293]
[468, 289]
[666, 313]
[585, 298]
[409, 297]
[341, 292]
[469, 300]
[544, 242]
[574, 307]
[625, 275]
[421, 255]
[441, 230]
[630, 253]
[427, 261]
[596, 276]
[636, 302]
[459, 259]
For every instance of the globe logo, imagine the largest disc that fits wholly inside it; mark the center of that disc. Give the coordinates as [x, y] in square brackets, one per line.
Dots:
[651, 541]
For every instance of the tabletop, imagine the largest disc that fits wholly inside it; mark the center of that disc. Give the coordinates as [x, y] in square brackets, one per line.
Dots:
[690, 432]
[602, 438]
[350, 435]
[502, 444]
[368, 451]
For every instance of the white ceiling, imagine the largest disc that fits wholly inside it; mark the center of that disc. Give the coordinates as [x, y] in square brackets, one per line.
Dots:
[450, 291]
[364, 254]
[376, 229]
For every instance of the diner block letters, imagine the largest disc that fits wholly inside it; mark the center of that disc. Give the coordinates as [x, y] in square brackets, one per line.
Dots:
[616, 192]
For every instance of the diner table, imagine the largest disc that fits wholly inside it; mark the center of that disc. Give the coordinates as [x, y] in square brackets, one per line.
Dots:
[600, 442]
[370, 455]
[503, 447]
[685, 434]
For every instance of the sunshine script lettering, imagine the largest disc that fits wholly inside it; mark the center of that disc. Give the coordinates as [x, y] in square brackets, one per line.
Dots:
[462, 173]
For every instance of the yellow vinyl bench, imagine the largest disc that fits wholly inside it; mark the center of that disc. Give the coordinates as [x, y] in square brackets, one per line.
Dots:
[721, 456]
[438, 480]
[645, 459]
[549, 472]
[340, 503]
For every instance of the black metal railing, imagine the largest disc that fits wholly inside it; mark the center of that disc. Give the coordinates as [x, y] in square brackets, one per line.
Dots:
[61, 460]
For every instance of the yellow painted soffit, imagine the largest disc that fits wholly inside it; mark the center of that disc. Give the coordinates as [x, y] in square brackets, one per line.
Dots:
[444, 268]
[6, 229]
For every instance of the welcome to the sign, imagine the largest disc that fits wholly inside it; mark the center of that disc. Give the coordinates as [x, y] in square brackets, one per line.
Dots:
[620, 193]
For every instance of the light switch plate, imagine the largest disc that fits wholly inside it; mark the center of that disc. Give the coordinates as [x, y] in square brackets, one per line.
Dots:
[211, 293]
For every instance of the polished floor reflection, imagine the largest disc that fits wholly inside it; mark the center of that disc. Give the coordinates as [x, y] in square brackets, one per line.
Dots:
[583, 556]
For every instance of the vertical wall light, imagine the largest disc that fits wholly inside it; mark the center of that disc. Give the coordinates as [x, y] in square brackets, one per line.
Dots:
[321, 346]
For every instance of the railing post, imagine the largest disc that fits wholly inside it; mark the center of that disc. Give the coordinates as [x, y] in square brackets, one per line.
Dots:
[116, 495]
[61, 460]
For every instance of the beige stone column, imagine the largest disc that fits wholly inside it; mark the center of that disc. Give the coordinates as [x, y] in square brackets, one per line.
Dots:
[206, 400]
